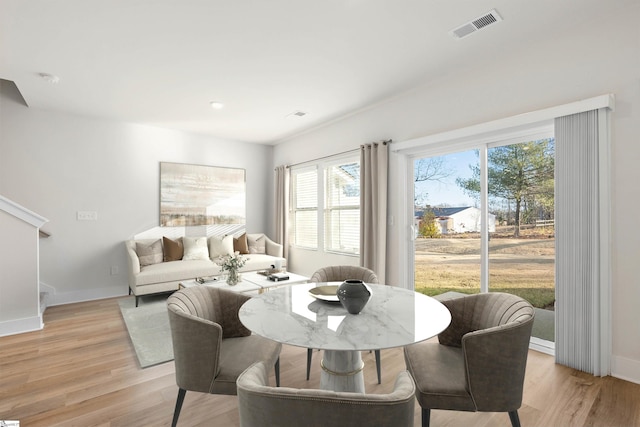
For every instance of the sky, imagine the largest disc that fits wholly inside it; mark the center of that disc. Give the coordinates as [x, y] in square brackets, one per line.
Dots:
[448, 192]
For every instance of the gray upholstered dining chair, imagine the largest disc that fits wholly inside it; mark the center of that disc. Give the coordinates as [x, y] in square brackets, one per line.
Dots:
[340, 273]
[479, 362]
[261, 405]
[211, 347]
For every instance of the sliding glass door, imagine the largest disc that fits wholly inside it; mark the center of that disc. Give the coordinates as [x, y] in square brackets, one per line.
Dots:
[447, 224]
[522, 227]
[484, 221]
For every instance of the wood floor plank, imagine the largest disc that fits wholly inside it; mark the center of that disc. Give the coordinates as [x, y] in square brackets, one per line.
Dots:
[81, 370]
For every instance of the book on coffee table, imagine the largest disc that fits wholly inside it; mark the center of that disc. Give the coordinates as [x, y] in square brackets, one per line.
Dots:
[277, 277]
[207, 279]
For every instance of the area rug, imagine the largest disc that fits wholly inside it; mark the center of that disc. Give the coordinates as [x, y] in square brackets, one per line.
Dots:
[148, 326]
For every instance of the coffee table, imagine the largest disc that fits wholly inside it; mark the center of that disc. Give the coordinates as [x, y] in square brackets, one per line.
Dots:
[252, 283]
[393, 317]
[243, 287]
[266, 284]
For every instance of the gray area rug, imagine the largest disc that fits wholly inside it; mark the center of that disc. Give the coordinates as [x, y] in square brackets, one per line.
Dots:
[148, 326]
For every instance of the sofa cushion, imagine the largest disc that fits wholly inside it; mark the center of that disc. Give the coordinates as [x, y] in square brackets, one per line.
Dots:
[149, 253]
[195, 248]
[256, 243]
[240, 244]
[220, 246]
[173, 249]
[176, 271]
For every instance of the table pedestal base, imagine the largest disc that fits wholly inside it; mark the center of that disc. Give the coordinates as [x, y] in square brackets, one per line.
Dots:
[342, 371]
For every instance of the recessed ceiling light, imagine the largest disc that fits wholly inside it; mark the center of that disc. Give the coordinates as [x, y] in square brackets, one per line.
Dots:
[50, 78]
[297, 114]
[217, 105]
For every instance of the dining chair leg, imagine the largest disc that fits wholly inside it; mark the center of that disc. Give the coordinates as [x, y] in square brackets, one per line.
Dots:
[378, 369]
[309, 357]
[515, 420]
[176, 412]
[426, 415]
[277, 368]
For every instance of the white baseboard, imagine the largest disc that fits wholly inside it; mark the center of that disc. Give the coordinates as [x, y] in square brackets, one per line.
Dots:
[47, 288]
[12, 327]
[60, 298]
[625, 369]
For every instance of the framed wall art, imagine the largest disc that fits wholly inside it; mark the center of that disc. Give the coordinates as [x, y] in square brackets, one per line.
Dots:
[195, 195]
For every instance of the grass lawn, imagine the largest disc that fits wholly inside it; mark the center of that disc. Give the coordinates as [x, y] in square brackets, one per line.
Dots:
[523, 267]
[541, 298]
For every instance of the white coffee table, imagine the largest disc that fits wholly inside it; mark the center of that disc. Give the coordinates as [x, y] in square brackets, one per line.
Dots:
[266, 284]
[244, 287]
[252, 283]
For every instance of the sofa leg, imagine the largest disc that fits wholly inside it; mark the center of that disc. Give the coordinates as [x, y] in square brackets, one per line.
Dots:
[176, 412]
[277, 367]
[137, 300]
[515, 420]
[426, 415]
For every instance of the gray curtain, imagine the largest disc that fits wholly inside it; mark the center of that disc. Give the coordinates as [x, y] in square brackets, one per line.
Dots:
[582, 284]
[374, 160]
[282, 208]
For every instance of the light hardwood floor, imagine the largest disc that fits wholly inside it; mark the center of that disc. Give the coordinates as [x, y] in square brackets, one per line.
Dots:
[81, 370]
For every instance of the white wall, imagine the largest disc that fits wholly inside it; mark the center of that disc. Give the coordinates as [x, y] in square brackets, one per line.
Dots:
[57, 164]
[19, 299]
[592, 58]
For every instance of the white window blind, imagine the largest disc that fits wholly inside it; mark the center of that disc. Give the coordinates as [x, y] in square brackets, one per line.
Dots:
[304, 211]
[342, 208]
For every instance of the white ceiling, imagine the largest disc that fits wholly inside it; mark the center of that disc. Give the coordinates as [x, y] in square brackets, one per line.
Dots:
[160, 62]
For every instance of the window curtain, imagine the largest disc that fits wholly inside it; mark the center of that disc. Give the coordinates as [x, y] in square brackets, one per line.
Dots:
[282, 208]
[582, 238]
[374, 161]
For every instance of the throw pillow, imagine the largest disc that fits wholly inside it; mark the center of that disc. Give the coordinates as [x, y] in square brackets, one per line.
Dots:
[240, 244]
[220, 246]
[173, 249]
[256, 243]
[149, 253]
[195, 248]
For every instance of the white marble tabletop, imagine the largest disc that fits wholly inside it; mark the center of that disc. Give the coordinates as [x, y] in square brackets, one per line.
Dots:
[393, 317]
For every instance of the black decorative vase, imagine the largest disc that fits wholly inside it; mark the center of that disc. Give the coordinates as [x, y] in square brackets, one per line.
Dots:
[353, 295]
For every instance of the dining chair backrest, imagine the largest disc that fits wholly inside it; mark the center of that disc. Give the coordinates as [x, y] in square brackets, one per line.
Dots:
[339, 273]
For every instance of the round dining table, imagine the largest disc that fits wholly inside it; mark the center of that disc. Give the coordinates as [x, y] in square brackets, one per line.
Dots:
[393, 317]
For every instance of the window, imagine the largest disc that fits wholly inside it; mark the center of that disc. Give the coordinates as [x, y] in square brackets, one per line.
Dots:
[342, 208]
[325, 208]
[304, 214]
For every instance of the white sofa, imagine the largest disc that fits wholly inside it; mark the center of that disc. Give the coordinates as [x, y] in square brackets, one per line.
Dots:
[151, 273]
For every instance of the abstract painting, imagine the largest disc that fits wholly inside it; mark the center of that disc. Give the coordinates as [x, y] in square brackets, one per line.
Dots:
[194, 195]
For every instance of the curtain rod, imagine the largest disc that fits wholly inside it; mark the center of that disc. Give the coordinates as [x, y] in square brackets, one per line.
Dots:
[385, 142]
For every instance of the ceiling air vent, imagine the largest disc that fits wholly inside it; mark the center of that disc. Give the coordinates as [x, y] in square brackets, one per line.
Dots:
[476, 24]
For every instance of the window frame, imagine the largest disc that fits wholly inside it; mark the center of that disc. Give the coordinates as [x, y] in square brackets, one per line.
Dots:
[330, 208]
[295, 172]
[321, 167]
